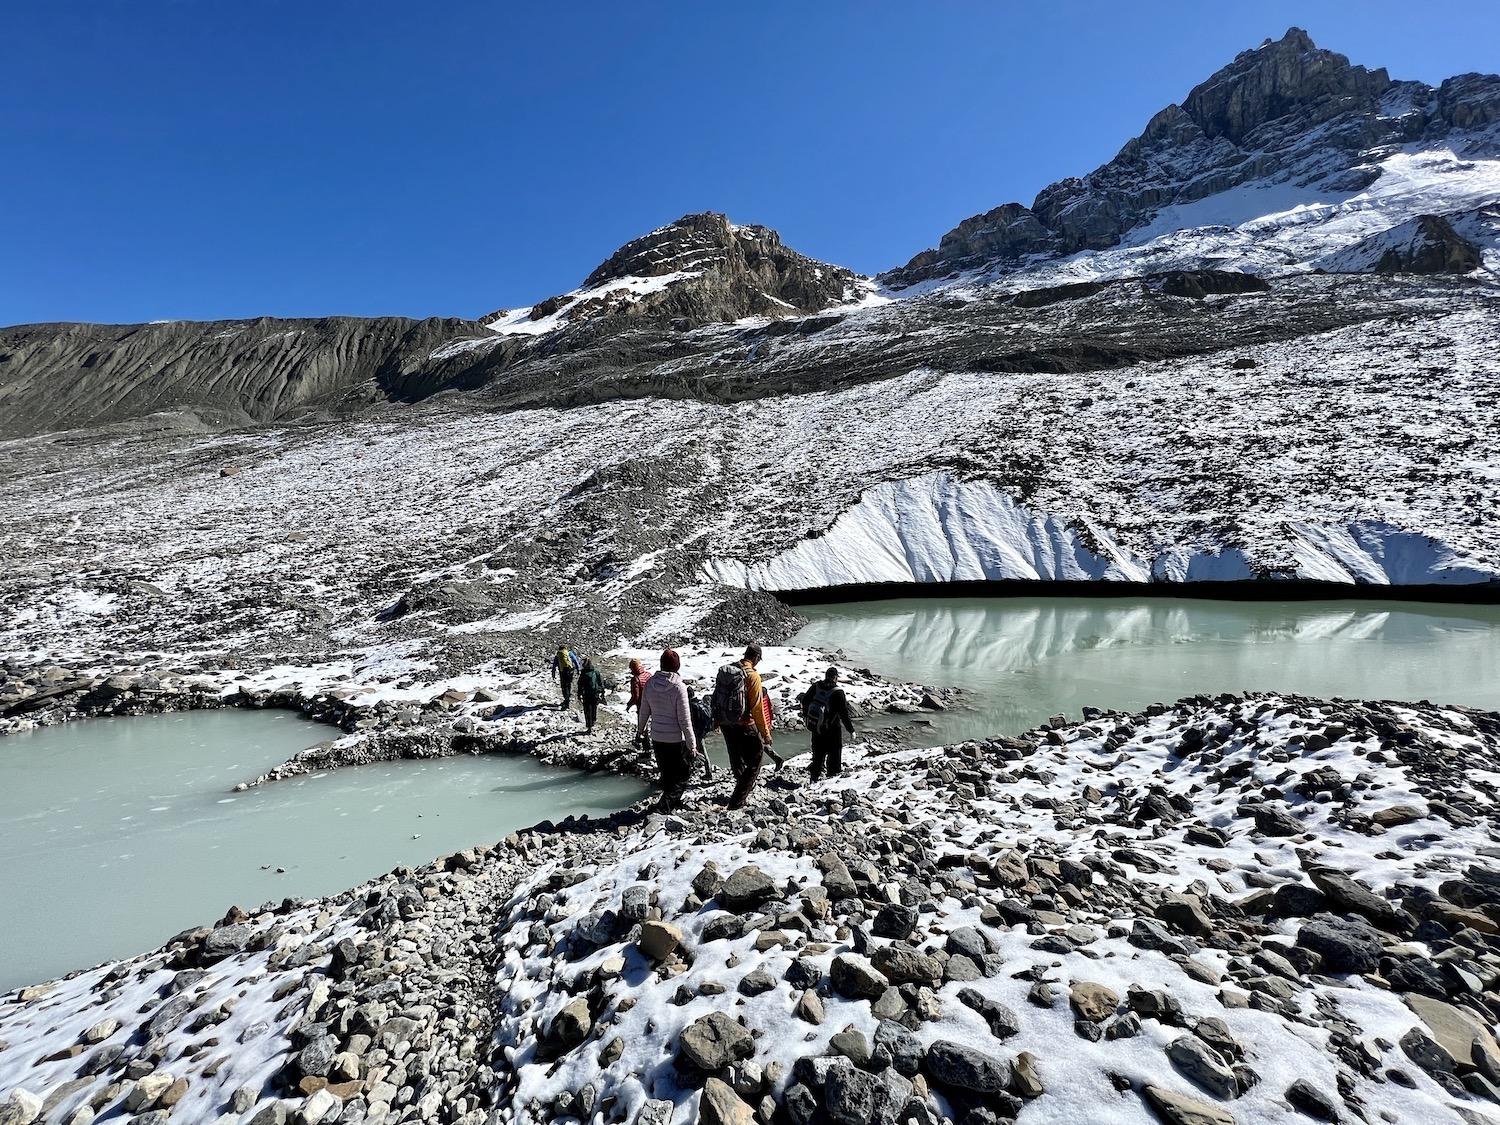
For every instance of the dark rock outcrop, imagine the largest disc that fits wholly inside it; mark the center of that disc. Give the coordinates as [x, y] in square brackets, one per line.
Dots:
[728, 272]
[1427, 244]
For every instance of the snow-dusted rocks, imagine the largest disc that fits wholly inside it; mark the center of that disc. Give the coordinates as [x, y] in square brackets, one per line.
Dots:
[701, 269]
[1087, 922]
[1092, 926]
[1339, 429]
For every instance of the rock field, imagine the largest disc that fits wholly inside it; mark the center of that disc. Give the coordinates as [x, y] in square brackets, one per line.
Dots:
[1237, 909]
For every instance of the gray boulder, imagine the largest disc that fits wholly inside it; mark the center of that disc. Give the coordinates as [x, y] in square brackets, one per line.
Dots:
[956, 1067]
[710, 1043]
[1345, 944]
[748, 887]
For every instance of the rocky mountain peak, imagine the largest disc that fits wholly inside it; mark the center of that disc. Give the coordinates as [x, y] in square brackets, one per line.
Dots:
[701, 269]
[1288, 115]
[1278, 78]
[696, 242]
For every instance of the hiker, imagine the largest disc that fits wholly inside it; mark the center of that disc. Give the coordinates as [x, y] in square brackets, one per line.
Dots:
[564, 665]
[743, 716]
[638, 678]
[664, 717]
[825, 709]
[590, 691]
[703, 725]
[770, 717]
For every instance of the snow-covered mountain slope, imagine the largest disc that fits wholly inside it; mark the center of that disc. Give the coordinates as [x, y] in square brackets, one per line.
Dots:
[1287, 155]
[443, 539]
[701, 269]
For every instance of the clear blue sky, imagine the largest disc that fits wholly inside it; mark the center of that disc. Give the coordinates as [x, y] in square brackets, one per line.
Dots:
[202, 159]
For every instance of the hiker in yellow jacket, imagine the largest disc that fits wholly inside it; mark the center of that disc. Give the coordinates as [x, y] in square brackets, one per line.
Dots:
[564, 666]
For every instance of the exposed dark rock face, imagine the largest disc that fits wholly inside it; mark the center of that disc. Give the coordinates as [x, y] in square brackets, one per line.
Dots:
[1287, 111]
[63, 376]
[731, 272]
[1199, 284]
[1435, 248]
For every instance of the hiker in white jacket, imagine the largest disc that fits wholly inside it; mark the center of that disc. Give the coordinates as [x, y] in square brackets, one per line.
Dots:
[665, 715]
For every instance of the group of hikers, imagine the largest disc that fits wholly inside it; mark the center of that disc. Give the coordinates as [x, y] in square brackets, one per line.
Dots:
[567, 665]
[674, 721]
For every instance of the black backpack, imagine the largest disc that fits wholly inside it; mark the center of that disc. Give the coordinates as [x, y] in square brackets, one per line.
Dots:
[731, 703]
[702, 717]
[818, 711]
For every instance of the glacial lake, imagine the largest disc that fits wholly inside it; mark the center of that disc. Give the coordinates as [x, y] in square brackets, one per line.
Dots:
[1024, 659]
[116, 834]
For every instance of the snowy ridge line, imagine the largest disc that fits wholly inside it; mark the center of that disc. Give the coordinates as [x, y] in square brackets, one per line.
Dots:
[940, 529]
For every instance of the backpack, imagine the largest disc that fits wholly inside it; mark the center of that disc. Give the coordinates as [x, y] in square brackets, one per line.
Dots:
[591, 683]
[818, 710]
[702, 717]
[731, 703]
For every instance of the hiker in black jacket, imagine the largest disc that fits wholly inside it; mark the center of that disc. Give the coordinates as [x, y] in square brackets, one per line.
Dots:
[703, 725]
[825, 710]
[590, 692]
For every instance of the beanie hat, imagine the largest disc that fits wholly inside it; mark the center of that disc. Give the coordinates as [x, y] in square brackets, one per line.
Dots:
[670, 661]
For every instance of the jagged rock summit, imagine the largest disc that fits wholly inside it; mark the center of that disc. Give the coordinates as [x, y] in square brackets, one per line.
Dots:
[701, 269]
[1286, 125]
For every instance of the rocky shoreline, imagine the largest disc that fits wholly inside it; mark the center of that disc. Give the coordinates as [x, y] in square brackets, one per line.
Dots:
[415, 721]
[1231, 909]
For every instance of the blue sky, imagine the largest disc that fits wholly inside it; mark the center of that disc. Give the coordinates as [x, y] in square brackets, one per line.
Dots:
[201, 159]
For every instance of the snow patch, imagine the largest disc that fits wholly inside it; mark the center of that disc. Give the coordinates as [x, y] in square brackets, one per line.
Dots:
[934, 528]
[459, 347]
[1379, 554]
[615, 293]
[937, 528]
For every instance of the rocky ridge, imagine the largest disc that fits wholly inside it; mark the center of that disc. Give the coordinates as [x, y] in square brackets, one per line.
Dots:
[205, 375]
[1230, 909]
[1286, 113]
[701, 269]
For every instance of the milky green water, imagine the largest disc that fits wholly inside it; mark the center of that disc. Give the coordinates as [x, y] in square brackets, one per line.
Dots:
[1025, 659]
[117, 833]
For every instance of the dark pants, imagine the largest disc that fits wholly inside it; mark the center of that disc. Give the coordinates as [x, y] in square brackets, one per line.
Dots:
[745, 756]
[827, 752]
[567, 689]
[674, 767]
[590, 710]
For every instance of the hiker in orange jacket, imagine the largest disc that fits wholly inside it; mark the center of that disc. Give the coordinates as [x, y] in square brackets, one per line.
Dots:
[748, 739]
